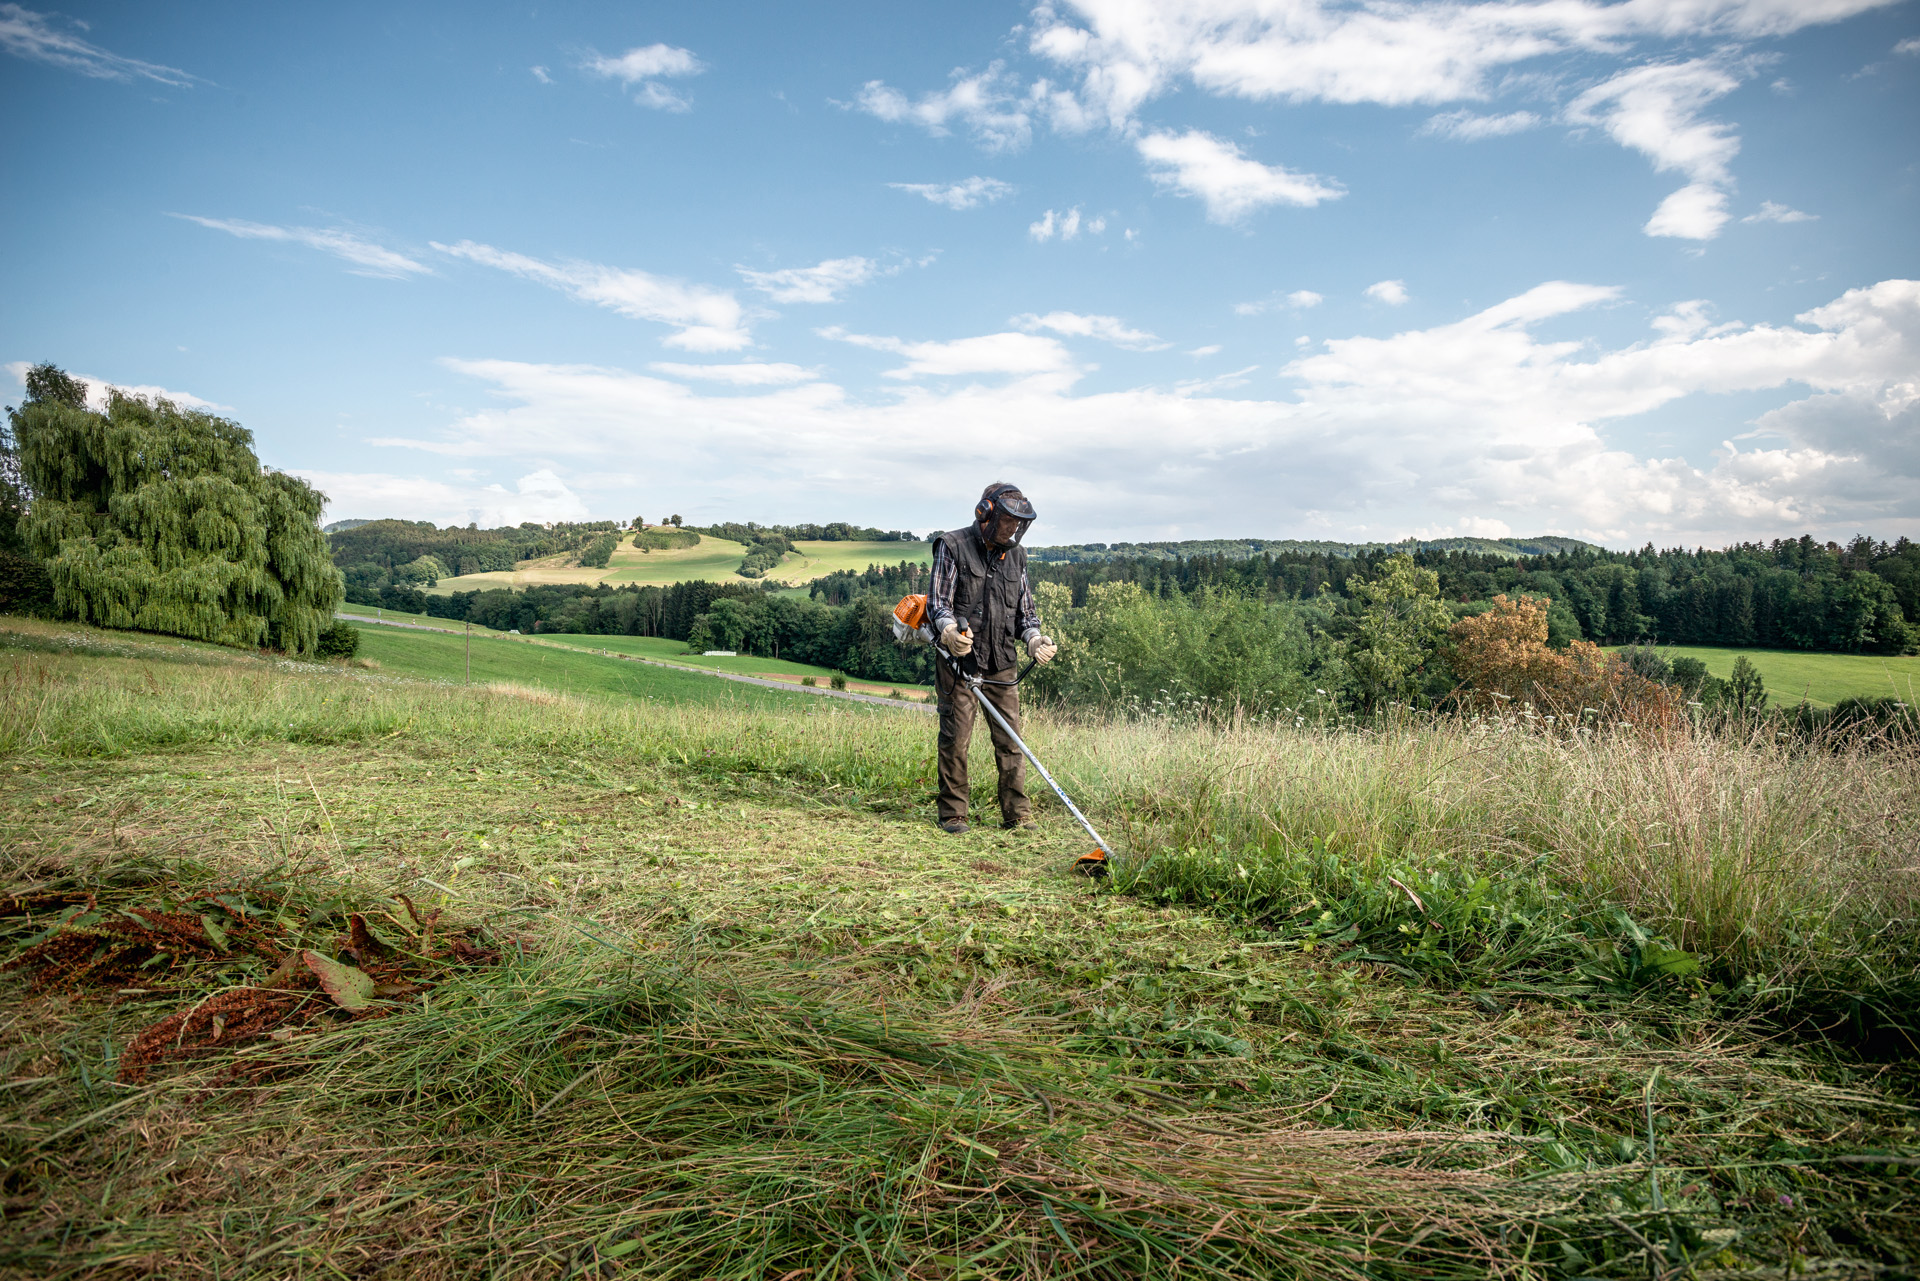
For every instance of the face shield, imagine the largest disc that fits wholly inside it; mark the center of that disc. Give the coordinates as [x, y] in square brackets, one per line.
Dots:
[1011, 515]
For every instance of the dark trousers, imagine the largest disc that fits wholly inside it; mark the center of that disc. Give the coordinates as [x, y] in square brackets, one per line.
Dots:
[957, 706]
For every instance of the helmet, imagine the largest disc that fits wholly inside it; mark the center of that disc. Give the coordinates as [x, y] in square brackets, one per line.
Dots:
[1001, 500]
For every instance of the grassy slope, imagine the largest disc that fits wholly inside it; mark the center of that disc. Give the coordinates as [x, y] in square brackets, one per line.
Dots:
[1822, 679]
[811, 560]
[714, 559]
[431, 656]
[660, 649]
[656, 648]
[749, 956]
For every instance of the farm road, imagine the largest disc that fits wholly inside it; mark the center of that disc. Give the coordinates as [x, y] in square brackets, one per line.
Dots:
[652, 662]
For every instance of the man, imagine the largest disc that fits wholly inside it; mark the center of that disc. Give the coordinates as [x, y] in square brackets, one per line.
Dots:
[981, 608]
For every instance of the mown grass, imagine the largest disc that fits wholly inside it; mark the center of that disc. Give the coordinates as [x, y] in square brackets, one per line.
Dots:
[768, 1018]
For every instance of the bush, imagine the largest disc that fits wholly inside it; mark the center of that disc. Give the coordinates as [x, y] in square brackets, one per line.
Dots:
[24, 585]
[1505, 655]
[838, 681]
[342, 640]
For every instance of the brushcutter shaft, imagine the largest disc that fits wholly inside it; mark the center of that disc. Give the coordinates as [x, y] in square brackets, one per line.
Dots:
[974, 683]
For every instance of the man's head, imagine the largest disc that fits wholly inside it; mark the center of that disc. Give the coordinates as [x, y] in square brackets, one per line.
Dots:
[1002, 514]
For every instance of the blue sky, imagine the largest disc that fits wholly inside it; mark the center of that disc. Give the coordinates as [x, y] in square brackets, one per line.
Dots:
[1628, 271]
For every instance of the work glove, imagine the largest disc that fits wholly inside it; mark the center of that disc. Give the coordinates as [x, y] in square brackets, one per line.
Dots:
[1042, 649]
[955, 641]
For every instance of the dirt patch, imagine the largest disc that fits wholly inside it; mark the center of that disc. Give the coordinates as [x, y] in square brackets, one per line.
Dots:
[260, 969]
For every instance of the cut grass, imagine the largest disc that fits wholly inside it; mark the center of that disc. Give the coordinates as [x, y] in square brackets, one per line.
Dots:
[769, 1018]
[1821, 679]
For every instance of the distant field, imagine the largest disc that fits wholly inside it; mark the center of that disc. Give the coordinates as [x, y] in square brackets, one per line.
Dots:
[1822, 679]
[812, 560]
[402, 652]
[714, 559]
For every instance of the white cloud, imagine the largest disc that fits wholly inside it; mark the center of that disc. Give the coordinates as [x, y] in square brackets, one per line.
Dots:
[1227, 181]
[1126, 54]
[368, 259]
[1910, 46]
[30, 35]
[705, 319]
[1771, 212]
[540, 74]
[982, 103]
[1299, 300]
[641, 67]
[1211, 349]
[1026, 355]
[824, 283]
[744, 375]
[661, 98]
[1106, 328]
[538, 496]
[1470, 126]
[1391, 292]
[97, 391]
[1655, 110]
[1118, 55]
[1476, 415]
[1066, 225]
[964, 194]
[644, 63]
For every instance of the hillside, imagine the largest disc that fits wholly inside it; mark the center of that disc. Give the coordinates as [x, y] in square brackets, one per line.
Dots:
[1241, 548]
[713, 560]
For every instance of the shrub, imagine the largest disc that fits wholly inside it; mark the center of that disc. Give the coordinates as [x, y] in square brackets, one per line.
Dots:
[838, 681]
[342, 640]
[1503, 654]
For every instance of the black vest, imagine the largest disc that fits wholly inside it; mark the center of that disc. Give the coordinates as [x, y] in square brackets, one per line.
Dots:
[986, 593]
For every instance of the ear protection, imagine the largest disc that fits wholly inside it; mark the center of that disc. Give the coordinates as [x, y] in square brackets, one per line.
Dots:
[990, 505]
[984, 509]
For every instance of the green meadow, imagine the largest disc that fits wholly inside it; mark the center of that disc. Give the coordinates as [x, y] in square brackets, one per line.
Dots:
[810, 560]
[1444, 998]
[511, 661]
[1821, 679]
[663, 650]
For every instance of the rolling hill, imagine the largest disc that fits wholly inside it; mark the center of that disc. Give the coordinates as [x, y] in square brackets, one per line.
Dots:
[712, 559]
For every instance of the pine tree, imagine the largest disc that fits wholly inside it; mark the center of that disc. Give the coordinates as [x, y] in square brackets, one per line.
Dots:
[161, 519]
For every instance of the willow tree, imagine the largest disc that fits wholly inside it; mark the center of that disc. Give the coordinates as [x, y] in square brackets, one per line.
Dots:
[161, 519]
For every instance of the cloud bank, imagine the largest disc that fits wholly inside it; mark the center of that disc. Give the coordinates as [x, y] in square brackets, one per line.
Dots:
[1378, 436]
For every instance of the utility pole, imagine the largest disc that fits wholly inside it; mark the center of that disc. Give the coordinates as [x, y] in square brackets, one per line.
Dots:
[469, 651]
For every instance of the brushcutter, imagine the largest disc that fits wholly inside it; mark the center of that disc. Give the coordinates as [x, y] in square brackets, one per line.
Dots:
[910, 621]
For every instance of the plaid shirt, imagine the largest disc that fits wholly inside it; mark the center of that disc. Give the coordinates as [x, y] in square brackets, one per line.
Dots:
[940, 597]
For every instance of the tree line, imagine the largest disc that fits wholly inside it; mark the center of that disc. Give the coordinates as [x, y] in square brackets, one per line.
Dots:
[1860, 597]
[383, 553]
